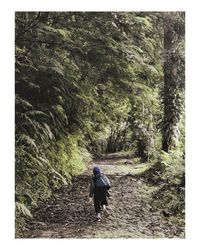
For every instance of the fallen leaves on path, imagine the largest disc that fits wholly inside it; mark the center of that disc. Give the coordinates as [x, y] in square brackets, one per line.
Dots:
[69, 215]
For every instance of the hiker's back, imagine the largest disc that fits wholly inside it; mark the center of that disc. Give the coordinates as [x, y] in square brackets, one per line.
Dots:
[101, 182]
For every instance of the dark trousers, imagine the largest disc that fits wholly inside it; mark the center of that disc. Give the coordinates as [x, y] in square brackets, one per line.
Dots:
[99, 201]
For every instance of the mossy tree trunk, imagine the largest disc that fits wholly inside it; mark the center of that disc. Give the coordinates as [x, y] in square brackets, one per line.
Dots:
[173, 79]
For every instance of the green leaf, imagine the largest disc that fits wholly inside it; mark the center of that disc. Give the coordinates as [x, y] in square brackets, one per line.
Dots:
[20, 207]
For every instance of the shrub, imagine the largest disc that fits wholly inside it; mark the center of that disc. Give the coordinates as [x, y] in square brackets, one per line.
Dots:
[168, 174]
[39, 172]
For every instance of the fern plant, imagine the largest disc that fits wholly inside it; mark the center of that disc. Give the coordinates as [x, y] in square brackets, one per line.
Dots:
[21, 208]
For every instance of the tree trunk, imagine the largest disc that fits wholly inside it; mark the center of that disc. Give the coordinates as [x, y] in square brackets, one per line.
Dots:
[171, 92]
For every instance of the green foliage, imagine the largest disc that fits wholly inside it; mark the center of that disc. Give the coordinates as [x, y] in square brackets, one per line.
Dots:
[31, 176]
[170, 198]
[167, 180]
[22, 213]
[173, 163]
[67, 160]
[168, 168]
[143, 119]
[21, 208]
[37, 174]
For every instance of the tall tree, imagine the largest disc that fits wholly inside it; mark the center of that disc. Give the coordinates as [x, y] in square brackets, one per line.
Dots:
[173, 78]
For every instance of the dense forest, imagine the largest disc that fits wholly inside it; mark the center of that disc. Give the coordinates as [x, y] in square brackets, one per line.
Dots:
[89, 84]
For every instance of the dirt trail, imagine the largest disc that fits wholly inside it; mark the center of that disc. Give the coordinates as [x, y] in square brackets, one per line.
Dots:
[69, 215]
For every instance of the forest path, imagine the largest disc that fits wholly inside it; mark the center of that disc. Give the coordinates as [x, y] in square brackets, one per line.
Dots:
[69, 215]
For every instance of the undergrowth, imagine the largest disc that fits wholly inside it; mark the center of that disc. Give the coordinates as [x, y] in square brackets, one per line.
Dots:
[167, 175]
[40, 172]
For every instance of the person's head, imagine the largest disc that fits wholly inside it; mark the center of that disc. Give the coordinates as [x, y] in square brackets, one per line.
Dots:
[96, 170]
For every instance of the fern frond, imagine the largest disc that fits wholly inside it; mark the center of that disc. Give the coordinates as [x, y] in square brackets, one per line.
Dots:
[59, 176]
[23, 103]
[49, 132]
[44, 160]
[36, 113]
[21, 208]
[28, 140]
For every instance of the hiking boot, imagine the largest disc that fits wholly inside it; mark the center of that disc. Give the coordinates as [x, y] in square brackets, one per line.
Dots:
[105, 211]
[98, 217]
[104, 207]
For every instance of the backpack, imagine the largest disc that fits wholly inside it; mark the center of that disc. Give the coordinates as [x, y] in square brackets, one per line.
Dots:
[101, 183]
